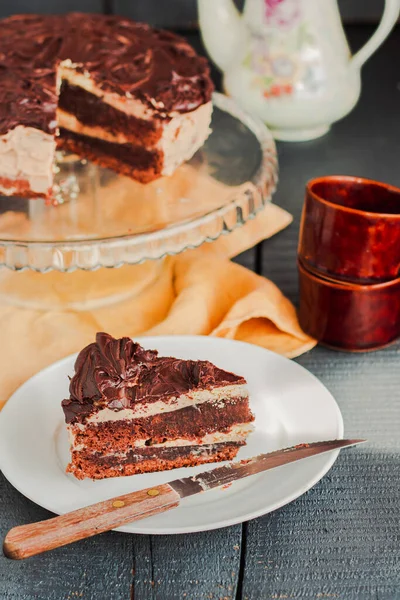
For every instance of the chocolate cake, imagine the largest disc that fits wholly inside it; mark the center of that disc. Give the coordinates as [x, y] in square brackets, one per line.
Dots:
[132, 411]
[120, 93]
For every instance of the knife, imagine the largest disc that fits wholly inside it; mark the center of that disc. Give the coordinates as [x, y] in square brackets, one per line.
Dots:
[28, 540]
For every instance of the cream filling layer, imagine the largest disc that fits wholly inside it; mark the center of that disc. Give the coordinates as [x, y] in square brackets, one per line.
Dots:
[69, 121]
[27, 154]
[237, 433]
[126, 104]
[181, 137]
[141, 410]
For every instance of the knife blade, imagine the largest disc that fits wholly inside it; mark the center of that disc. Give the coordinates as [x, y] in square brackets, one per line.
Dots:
[263, 462]
[28, 540]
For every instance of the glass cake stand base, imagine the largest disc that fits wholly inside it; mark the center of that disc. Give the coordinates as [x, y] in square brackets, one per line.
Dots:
[78, 291]
[103, 237]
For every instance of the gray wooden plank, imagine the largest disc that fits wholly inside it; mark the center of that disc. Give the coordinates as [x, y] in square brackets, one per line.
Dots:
[340, 540]
[366, 387]
[49, 6]
[246, 259]
[93, 569]
[193, 567]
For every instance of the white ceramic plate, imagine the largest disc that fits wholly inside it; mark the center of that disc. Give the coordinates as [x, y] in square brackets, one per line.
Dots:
[290, 405]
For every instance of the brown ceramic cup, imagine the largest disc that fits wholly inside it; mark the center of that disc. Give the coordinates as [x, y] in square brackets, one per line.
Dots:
[350, 229]
[349, 316]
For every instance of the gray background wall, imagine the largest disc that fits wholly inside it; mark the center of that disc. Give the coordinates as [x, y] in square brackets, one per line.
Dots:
[168, 13]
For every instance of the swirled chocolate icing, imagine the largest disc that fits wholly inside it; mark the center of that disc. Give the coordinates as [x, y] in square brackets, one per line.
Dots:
[130, 59]
[28, 96]
[155, 66]
[28, 99]
[117, 374]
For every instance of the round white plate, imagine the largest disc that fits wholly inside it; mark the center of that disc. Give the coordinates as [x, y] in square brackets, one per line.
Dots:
[290, 405]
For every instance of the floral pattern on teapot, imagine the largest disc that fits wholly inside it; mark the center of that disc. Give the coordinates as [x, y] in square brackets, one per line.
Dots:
[288, 61]
[282, 13]
[276, 59]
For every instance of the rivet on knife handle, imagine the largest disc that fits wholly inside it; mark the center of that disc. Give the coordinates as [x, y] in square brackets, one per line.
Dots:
[27, 540]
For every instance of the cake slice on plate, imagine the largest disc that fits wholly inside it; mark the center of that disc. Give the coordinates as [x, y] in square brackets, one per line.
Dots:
[131, 411]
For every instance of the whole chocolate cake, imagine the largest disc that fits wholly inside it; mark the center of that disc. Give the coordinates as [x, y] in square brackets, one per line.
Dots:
[131, 411]
[120, 93]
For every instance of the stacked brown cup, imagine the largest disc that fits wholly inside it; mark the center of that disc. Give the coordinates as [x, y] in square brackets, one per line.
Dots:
[349, 263]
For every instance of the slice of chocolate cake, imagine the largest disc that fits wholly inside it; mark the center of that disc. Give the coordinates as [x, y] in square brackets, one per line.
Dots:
[122, 94]
[131, 411]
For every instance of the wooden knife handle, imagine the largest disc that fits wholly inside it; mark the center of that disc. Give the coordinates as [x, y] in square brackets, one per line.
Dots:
[27, 540]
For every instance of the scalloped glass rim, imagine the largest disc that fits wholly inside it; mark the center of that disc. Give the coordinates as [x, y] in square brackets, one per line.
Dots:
[68, 256]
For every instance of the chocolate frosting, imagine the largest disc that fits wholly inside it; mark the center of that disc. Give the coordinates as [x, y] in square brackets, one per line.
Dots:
[117, 374]
[28, 99]
[130, 59]
[28, 47]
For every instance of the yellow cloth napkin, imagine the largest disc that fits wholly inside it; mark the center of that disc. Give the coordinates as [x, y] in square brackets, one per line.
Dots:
[198, 292]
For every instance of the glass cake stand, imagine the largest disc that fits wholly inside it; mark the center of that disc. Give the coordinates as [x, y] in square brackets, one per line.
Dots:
[99, 219]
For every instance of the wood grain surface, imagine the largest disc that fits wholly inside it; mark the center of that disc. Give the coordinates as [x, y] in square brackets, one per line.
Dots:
[341, 540]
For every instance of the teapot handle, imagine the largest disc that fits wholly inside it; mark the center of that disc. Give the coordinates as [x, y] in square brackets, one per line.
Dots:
[389, 18]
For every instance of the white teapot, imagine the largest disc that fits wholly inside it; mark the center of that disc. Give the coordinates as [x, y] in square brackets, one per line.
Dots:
[288, 61]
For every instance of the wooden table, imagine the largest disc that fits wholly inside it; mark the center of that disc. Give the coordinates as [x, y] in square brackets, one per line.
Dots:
[341, 539]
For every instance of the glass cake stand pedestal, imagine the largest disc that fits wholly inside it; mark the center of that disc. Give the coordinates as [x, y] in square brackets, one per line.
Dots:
[105, 237]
